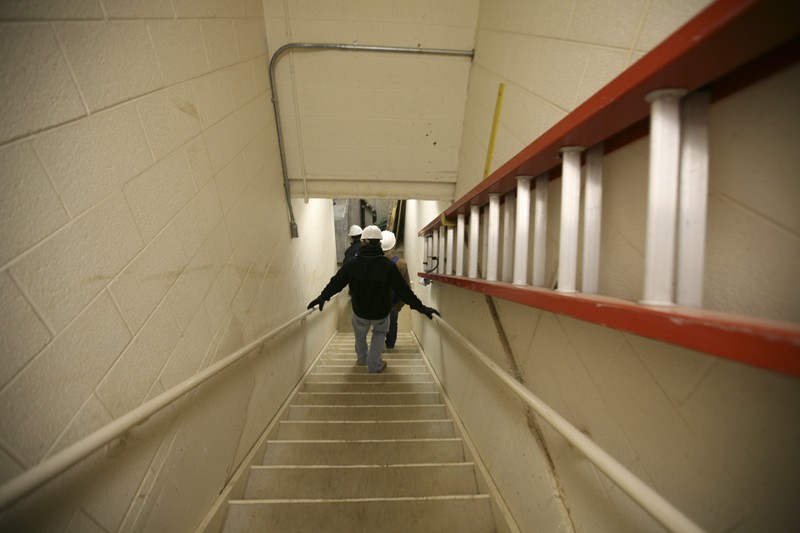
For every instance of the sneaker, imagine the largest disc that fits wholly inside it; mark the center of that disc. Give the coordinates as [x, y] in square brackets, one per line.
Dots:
[383, 367]
[359, 363]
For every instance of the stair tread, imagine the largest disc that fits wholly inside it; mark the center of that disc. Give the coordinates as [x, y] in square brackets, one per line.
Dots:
[384, 499]
[360, 451]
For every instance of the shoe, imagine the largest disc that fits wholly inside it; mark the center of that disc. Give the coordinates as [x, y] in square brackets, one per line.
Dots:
[359, 363]
[390, 347]
[383, 367]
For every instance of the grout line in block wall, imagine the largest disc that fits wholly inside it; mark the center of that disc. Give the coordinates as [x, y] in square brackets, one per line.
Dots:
[155, 54]
[146, 139]
[8, 450]
[89, 114]
[116, 303]
[53, 336]
[50, 329]
[52, 448]
[205, 48]
[38, 157]
[71, 71]
[637, 35]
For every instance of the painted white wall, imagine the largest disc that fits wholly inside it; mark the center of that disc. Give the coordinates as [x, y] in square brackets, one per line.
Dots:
[716, 438]
[366, 124]
[145, 236]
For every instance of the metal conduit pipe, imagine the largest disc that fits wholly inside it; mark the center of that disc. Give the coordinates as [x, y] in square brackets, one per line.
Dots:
[540, 231]
[592, 217]
[449, 258]
[509, 215]
[662, 195]
[522, 230]
[331, 46]
[474, 227]
[693, 199]
[493, 242]
[460, 244]
[570, 218]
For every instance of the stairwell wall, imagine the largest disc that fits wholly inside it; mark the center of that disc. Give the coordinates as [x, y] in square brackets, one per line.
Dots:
[716, 438]
[145, 236]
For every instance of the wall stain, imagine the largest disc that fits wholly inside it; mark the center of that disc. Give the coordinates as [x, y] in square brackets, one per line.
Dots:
[188, 108]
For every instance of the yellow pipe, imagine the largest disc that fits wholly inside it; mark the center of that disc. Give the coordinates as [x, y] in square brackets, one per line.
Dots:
[446, 223]
[497, 106]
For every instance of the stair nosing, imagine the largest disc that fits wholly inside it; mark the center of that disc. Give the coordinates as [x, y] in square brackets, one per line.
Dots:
[339, 500]
[420, 421]
[376, 466]
[323, 441]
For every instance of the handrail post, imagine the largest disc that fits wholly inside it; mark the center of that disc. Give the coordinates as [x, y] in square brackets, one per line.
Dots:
[662, 195]
[522, 230]
[693, 200]
[492, 243]
[570, 218]
[460, 244]
[592, 219]
[540, 230]
[474, 232]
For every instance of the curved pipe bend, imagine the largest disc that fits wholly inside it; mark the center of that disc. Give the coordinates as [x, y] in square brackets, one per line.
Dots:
[331, 46]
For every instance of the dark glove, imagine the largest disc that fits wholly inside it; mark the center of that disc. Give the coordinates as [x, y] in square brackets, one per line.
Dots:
[429, 312]
[314, 303]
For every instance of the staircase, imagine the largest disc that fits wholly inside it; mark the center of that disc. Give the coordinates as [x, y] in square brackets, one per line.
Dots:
[364, 452]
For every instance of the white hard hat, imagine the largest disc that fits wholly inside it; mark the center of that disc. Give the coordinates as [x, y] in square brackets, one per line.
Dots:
[354, 231]
[371, 232]
[388, 241]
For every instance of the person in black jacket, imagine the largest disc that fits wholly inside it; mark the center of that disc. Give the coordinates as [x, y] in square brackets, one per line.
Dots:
[371, 277]
[355, 242]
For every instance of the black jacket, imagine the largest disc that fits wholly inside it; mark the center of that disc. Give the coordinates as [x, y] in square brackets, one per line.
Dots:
[371, 276]
[352, 250]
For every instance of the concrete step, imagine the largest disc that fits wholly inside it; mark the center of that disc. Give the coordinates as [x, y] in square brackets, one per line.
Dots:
[349, 367]
[347, 482]
[461, 514]
[363, 452]
[374, 387]
[364, 398]
[350, 361]
[359, 376]
[363, 430]
[369, 412]
[388, 355]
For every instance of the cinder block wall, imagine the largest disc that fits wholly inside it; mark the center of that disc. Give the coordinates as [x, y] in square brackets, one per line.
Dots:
[716, 438]
[145, 235]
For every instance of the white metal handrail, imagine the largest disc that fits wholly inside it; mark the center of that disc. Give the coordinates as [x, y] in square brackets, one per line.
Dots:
[660, 509]
[48, 469]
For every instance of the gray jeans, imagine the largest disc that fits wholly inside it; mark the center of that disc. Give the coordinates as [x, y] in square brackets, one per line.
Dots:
[379, 329]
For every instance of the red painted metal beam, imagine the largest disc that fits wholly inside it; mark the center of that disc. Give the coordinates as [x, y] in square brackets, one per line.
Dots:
[766, 344]
[725, 36]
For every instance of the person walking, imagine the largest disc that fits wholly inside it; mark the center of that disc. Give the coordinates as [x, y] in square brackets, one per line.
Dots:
[355, 242]
[371, 277]
[388, 243]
